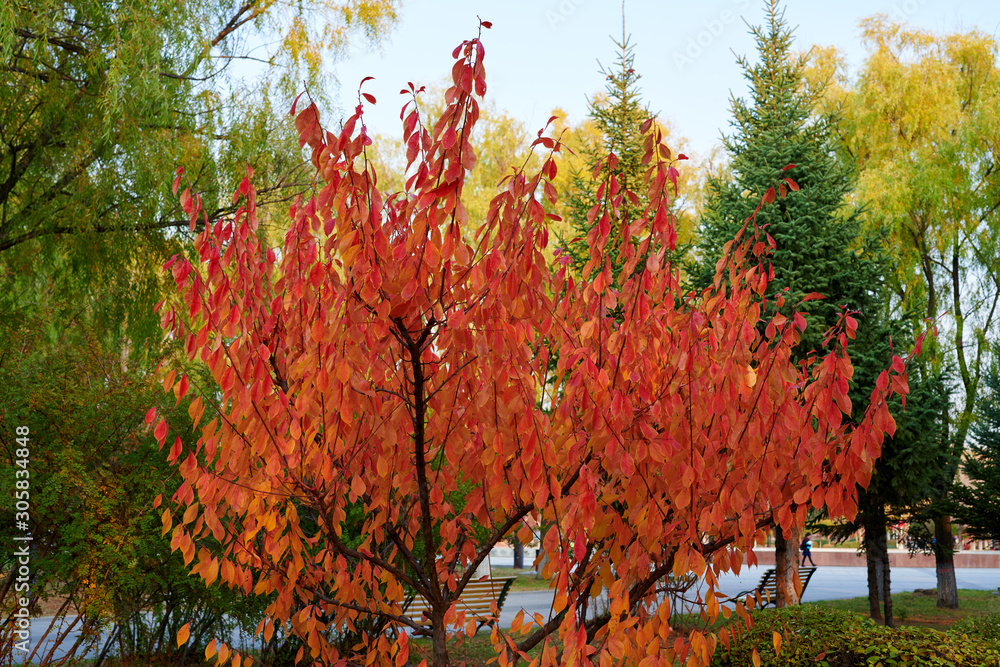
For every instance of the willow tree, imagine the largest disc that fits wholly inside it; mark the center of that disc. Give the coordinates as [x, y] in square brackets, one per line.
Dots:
[922, 121]
[100, 101]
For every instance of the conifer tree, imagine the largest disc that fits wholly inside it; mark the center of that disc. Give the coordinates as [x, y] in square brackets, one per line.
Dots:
[979, 502]
[822, 246]
[815, 229]
[619, 116]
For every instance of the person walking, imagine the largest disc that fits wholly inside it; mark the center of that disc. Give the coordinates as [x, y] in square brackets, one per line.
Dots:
[806, 548]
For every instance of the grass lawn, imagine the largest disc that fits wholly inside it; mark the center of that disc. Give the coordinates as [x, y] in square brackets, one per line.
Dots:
[922, 611]
[474, 651]
[524, 582]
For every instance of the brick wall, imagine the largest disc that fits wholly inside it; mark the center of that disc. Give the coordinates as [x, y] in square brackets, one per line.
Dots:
[897, 558]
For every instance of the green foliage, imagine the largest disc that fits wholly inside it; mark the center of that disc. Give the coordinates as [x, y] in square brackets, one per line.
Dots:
[818, 235]
[915, 463]
[94, 473]
[820, 637]
[920, 119]
[100, 103]
[978, 502]
[983, 627]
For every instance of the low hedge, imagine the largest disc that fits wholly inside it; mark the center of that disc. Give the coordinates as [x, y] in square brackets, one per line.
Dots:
[984, 627]
[818, 637]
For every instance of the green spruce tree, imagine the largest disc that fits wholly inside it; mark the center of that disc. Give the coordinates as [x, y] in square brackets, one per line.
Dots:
[978, 503]
[815, 229]
[619, 116]
[821, 246]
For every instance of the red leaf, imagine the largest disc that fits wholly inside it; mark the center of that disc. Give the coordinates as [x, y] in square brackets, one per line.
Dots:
[672, 174]
[792, 185]
[787, 167]
[369, 97]
[295, 104]
[681, 156]
[898, 365]
[160, 432]
[367, 78]
[177, 180]
[852, 326]
[486, 24]
[769, 195]
[317, 346]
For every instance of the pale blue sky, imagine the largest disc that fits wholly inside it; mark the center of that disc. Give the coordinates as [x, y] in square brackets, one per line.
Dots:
[540, 55]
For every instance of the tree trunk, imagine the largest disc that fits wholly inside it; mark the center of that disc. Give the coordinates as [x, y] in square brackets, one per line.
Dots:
[439, 636]
[877, 558]
[890, 620]
[786, 561]
[874, 566]
[944, 555]
[518, 554]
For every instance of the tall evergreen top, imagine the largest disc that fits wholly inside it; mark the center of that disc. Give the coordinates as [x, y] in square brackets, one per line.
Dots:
[617, 116]
[816, 231]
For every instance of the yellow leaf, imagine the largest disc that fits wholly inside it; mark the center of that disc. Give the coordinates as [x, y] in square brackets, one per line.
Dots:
[183, 634]
[470, 628]
[210, 650]
[777, 643]
[756, 658]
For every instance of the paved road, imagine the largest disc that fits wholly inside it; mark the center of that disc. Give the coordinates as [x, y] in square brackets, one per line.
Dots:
[828, 583]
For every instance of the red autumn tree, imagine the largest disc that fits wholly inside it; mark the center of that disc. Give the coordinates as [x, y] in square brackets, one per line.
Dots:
[442, 378]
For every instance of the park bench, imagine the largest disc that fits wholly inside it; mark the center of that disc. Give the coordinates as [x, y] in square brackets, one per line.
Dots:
[476, 601]
[768, 586]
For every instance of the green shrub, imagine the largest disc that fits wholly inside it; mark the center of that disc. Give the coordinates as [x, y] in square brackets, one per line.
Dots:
[831, 638]
[984, 627]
